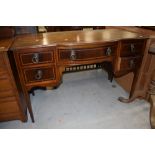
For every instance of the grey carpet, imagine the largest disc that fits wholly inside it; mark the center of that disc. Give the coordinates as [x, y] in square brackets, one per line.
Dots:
[85, 100]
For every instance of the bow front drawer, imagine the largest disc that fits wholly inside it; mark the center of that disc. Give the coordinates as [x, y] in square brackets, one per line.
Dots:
[36, 56]
[39, 74]
[132, 48]
[85, 54]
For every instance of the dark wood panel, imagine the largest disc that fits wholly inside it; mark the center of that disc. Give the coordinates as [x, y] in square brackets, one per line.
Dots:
[70, 28]
[6, 32]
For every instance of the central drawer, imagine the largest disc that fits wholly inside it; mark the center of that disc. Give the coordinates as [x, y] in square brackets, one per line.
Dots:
[85, 54]
[39, 74]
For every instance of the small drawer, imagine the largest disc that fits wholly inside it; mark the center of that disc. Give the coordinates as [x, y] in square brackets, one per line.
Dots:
[9, 106]
[39, 74]
[7, 93]
[85, 54]
[36, 56]
[2, 63]
[5, 83]
[130, 63]
[8, 99]
[132, 48]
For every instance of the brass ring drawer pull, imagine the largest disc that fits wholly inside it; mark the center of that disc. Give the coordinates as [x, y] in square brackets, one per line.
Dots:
[132, 63]
[73, 55]
[132, 48]
[39, 75]
[108, 51]
[35, 58]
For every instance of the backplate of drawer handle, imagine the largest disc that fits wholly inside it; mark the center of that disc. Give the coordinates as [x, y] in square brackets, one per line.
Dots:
[108, 51]
[35, 58]
[38, 75]
[132, 48]
[73, 56]
[132, 63]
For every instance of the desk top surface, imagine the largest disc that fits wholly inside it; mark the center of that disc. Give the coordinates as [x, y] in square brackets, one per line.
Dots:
[69, 38]
[5, 44]
[139, 30]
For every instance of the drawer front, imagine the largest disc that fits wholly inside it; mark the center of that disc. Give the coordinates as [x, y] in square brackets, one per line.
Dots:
[9, 106]
[7, 93]
[39, 74]
[132, 48]
[2, 64]
[36, 56]
[7, 99]
[5, 83]
[85, 54]
[130, 63]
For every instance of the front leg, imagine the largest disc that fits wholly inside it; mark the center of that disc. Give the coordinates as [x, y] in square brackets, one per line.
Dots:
[133, 95]
[152, 102]
[129, 100]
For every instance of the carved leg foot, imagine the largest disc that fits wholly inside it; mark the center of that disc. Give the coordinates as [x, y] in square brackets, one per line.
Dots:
[124, 100]
[57, 86]
[152, 111]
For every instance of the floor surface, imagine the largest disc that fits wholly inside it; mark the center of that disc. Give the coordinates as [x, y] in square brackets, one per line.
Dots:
[85, 100]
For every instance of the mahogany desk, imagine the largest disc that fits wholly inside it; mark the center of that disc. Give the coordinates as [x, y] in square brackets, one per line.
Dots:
[41, 59]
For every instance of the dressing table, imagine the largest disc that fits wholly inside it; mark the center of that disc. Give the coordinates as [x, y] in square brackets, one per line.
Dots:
[40, 60]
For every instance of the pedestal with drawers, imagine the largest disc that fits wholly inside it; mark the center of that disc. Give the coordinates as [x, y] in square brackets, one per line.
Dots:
[37, 67]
